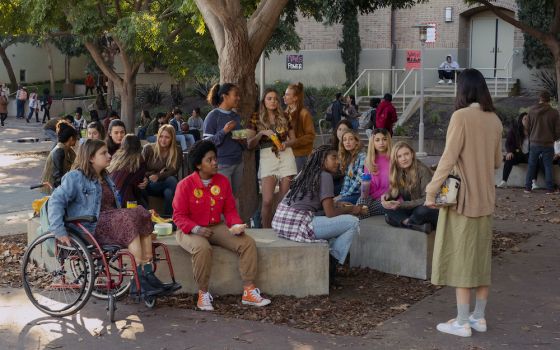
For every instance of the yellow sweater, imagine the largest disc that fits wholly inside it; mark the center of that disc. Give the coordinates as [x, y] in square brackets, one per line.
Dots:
[473, 144]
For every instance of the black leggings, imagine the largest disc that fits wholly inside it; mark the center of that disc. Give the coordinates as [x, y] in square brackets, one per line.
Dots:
[47, 114]
[3, 117]
[445, 75]
[417, 216]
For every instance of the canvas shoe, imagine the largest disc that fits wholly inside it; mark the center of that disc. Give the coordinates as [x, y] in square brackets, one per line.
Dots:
[534, 186]
[502, 184]
[452, 327]
[204, 301]
[450, 82]
[441, 81]
[252, 296]
[478, 325]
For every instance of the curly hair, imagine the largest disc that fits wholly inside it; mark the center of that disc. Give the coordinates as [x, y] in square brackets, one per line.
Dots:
[199, 150]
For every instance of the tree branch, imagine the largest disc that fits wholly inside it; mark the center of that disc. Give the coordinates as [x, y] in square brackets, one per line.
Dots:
[105, 68]
[262, 24]
[208, 10]
[118, 8]
[175, 32]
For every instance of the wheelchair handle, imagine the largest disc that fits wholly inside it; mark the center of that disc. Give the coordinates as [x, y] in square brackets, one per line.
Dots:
[32, 187]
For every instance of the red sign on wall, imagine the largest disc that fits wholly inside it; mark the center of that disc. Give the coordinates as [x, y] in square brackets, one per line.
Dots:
[413, 58]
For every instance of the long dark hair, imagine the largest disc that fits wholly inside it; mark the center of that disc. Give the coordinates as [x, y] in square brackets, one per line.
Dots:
[217, 92]
[472, 88]
[334, 140]
[111, 145]
[85, 153]
[309, 179]
[519, 129]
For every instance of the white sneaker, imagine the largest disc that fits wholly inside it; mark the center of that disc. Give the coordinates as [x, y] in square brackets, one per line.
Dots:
[502, 184]
[204, 301]
[252, 296]
[452, 327]
[450, 82]
[478, 325]
[534, 186]
[441, 81]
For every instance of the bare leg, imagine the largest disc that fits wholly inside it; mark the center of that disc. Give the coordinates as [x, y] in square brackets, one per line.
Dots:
[135, 247]
[268, 186]
[463, 295]
[285, 185]
[146, 241]
[482, 292]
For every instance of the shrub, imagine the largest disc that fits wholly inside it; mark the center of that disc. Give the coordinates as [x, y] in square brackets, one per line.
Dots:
[546, 80]
[151, 95]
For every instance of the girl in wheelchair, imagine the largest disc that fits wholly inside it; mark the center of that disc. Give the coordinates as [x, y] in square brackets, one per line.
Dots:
[88, 190]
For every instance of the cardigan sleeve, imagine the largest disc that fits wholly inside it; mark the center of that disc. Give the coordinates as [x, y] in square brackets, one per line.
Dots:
[181, 209]
[308, 136]
[453, 146]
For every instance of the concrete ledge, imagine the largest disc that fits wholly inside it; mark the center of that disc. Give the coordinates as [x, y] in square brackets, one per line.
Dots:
[392, 250]
[518, 173]
[284, 267]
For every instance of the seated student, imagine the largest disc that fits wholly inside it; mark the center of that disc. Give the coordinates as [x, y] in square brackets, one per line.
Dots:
[299, 217]
[202, 199]
[115, 135]
[336, 140]
[352, 159]
[404, 202]
[50, 127]
[145, 120]
[447, 70]
[94, 131]
[128, 170]
[112, 116]
[61, 157]
[377, 165]
[88, 190]
[517, 148]
[163, 160]
[80, 122]
[185, 140]
[153, 127]
[196, 123]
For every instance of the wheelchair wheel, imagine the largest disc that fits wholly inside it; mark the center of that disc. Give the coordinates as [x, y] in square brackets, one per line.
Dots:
[57, 279]
[100, 289]
[111, 307]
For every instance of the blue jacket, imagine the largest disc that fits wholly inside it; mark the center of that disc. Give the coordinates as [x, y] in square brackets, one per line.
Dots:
[76, 196]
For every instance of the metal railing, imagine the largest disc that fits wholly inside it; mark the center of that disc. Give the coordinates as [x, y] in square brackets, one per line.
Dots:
[389, 76]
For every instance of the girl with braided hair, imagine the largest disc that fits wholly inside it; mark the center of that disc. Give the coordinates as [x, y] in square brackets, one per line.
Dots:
[309, 213]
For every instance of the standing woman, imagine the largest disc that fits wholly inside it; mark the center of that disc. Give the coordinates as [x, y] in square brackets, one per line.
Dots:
[218, 125]
[61, 157]
[88, 190]
[404, 202]
[352, 159]
[302, 122]
[463, 246]
[377, 165]
[115, 135]
[128, 170]
[270, 129]
[163, 161]
[3, 106]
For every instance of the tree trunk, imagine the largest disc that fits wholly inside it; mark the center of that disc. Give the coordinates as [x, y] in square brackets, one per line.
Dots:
[67, 69]
[238, 67]
[51, 69]
[128, 97]
[9, 68]
[110, 93]
[557, 65]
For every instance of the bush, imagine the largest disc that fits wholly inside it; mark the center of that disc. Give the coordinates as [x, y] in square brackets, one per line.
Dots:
[546, 80]
[151, 95]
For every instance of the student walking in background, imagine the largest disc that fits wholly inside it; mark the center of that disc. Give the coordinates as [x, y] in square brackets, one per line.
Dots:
[46, 102]
[21, 98]
[301, 121]
[3, 107]
[386, 114]
[463, 244]
[33, 106]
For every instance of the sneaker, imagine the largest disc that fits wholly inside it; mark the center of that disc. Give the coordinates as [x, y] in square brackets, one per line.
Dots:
[452, 327]
[450, 82]
[441, 81]
[252, 296]
[478, 325]
[534, 186]
[502, 184]
[204, 302]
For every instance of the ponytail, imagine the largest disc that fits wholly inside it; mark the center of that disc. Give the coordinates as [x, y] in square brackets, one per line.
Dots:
[216, 93]
[298, 92]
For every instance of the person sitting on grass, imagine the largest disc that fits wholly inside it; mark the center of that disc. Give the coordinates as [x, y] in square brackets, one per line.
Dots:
[377, 165]
[404, 202]
[352, 159]
[200, 202]
[88, 190]
[308, 213]
[61, 158]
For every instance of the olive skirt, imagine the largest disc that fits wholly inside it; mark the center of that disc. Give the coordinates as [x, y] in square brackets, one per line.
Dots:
[462, 250]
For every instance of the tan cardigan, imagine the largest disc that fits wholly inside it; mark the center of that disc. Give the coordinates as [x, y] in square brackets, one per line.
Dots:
[305, 132]
[473, 144]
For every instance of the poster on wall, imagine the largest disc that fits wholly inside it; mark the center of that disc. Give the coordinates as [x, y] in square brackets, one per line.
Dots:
[294, 62]
[413, 58]
[431, 34]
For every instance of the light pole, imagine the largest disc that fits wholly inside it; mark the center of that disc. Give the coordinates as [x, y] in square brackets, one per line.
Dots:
[423, 32]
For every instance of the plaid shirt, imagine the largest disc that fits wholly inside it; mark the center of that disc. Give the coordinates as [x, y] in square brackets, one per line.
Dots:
[353, 176]
[294, 224]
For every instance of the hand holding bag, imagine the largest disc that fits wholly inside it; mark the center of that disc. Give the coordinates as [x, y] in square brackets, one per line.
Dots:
[449, 191]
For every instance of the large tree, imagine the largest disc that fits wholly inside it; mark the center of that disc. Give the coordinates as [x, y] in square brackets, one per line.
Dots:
[14, 28]
[549, 37]
[241, 30]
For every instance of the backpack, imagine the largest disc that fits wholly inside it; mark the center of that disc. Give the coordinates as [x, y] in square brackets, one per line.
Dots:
[367, 119]
[328, 112]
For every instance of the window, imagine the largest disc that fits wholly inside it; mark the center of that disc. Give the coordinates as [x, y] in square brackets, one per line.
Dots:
[22, 75]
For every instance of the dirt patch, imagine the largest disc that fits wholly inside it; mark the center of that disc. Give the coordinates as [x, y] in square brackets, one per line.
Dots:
[12, 249]
[514, 205]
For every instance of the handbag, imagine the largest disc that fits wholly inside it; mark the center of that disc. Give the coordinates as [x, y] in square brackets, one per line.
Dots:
[449, 191]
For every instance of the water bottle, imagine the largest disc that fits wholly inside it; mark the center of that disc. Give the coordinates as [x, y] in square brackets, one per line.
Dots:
[366, 182]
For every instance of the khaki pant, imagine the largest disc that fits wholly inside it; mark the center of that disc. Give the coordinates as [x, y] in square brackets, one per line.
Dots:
[201, 250]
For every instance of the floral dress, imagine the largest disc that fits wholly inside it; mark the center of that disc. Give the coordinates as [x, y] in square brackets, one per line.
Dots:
[120, 225]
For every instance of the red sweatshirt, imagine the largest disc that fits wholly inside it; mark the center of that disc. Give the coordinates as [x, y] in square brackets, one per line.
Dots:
[198, 205]
[386, 116]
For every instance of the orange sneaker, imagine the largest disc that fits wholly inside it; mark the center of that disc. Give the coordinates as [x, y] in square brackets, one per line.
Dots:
[204, 301]
[252, 296]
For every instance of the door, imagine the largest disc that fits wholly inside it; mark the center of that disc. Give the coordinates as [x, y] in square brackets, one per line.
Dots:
[491, 45]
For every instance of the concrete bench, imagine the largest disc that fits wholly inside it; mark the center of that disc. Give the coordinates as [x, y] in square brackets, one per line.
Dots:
[392, 250]
[518, 173]
[284, 267]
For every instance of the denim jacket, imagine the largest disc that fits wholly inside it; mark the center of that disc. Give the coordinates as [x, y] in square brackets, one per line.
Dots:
[76, 196]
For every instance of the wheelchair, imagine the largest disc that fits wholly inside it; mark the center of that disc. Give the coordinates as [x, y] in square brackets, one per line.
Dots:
[59, 279]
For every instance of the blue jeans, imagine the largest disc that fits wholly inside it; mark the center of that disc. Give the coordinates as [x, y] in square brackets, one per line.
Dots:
[165, 189]
[339, 231]
[547, 154]
[351, 198]
[31, 112]
[20, 109]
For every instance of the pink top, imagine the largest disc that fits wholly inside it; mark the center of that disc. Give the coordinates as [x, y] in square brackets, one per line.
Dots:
[380, 181]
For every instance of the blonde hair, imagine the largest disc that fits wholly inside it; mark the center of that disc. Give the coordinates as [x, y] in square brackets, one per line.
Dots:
[372, 152]
[172, 156]
[401, 178]
[281, 122]
[348, 157]
[83, 161]
[128, 156]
